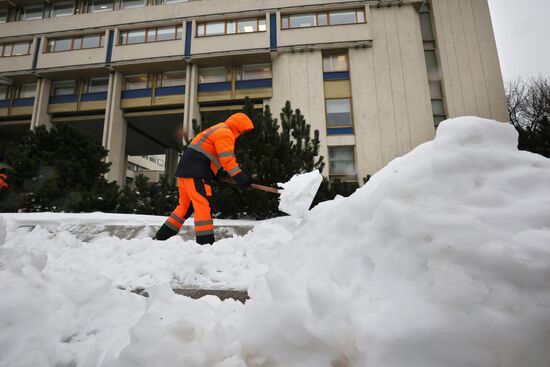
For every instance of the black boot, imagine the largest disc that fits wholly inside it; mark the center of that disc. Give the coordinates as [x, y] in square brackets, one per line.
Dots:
[206, 239]
[165, 233]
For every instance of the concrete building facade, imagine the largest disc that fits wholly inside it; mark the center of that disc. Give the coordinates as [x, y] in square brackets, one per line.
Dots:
[375, 77]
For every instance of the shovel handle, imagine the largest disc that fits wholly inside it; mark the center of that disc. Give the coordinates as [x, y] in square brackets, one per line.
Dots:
[232, 181]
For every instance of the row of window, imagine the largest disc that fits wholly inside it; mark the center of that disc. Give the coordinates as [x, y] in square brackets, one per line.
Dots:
[64, 8]
[157, 34]
[211, 28]
[16, 91]
[219, 74]
[233, 26]
[325, 18]
[75, 43]
[70, 87]
[15, 49]
[166, 79]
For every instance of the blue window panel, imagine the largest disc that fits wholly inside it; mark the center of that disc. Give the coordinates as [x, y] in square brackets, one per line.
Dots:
[340, 131]
[188, 32]
[169, 91]
[248, 84]
[99, 96]
[273, 32]
[336, 75]
[137, 93]
[214, 87]
[21, 102]
[63, 99]
[4, 103]
[110, 47]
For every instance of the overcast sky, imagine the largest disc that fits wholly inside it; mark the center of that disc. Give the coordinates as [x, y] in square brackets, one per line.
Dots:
[523, 36]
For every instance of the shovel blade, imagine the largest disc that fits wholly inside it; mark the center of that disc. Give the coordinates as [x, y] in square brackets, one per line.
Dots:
[298, 193]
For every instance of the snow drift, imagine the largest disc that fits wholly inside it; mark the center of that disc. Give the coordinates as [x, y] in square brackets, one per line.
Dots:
[442, 259]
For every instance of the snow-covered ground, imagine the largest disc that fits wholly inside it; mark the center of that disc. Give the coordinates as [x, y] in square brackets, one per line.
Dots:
[442, 259]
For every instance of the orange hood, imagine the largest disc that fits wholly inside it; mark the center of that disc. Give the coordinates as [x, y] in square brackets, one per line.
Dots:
[239, 123]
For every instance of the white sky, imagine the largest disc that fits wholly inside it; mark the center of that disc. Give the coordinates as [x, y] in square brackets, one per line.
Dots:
[523, 36]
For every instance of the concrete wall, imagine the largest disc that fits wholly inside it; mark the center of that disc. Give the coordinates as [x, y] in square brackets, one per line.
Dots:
[299, 78]
[472, 77]
[391, 101]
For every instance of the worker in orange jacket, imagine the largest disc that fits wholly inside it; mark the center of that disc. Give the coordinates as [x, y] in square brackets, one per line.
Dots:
[4, 169]
[210, 151]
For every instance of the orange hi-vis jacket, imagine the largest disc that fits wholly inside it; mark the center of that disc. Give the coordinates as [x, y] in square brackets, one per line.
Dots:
[3, 179]
[214, 149]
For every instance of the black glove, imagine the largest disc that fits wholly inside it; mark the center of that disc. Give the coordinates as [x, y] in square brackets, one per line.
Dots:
[242, 180]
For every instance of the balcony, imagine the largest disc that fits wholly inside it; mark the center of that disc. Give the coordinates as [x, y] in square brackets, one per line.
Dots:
[73, 58]
[17, 63]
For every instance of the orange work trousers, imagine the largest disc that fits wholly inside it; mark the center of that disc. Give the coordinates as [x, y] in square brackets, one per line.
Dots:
[194, 196]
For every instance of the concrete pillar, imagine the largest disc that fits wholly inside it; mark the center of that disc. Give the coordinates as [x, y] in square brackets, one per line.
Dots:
[114, 131]
[170, 164]
[40, 115]
[191, 101]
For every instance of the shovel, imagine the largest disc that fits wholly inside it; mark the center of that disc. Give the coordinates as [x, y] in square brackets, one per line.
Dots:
[296, 195]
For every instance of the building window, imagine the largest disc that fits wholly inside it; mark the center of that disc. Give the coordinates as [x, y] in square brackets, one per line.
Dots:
[172, 78]
[3, 92]
[63, 87]
[32, 12]
[97, 85]
[15, 49]
[254, 72]
[319, 19]
[341, 161]
[216, 28]
[76, 43]
[168, 2]
[150, 35]
[335, 62]
[97, 6]
[339, 112]
[213, 75]
[137, 81]
[4, 15]
[62, 8]
[129, 4]
[27, 90]
[432, 65]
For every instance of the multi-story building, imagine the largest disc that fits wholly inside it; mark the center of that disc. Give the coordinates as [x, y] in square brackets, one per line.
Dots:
[375, 77]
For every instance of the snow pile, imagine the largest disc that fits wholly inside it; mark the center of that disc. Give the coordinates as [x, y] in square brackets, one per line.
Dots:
[442, 259]
[298, 193]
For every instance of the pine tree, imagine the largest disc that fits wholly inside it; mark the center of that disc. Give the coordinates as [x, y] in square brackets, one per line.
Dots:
[271, 153]
[61, 169]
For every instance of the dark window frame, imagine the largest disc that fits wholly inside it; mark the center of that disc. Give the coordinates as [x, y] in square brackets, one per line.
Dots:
[341, 176]
[327, 14]
[11, 44]
[72, 47]
[148, 84]
[124, 41]
[336, 53]
[225, 21]
[350, 110]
